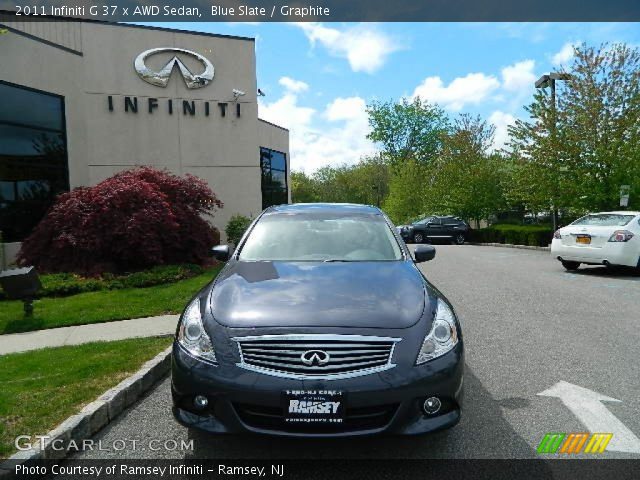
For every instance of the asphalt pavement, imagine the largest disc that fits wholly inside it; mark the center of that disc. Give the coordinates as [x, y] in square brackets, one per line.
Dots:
[528, 326]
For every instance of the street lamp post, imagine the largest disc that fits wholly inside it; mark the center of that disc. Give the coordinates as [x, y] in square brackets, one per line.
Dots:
[377, 193]
[549, 81]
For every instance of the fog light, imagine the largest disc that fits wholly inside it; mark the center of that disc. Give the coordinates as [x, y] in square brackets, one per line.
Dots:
[431, 405]
[200, 401]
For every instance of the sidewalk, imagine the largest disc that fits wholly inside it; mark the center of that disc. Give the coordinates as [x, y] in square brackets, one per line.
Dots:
[96, 332]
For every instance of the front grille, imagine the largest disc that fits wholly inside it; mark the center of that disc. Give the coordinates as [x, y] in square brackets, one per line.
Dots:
[356, 419]
[316, 356]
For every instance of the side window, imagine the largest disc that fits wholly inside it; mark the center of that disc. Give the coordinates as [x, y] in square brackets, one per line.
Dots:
[273, 165]
[436, 221]
[33, 157]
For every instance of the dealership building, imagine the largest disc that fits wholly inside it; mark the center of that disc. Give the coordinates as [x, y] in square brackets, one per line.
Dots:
[81, 100]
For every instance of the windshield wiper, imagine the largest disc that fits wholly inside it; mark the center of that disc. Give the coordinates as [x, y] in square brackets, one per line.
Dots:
[332, 260]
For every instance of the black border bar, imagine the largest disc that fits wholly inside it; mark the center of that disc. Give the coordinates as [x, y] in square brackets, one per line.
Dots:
[330, 10]
[461, 469]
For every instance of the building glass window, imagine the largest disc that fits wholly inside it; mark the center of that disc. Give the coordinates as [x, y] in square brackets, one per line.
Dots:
[33, 157]
[274, 177]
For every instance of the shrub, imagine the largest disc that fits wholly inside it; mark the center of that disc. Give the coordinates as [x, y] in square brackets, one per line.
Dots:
[533, 235]
[236, 227]
[65, 284]
[136, 219]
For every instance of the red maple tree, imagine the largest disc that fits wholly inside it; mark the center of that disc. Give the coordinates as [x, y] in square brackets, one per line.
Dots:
[133, 220]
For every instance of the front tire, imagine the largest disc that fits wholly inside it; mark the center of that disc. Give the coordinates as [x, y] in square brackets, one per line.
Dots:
[571, 266]
[418, 238]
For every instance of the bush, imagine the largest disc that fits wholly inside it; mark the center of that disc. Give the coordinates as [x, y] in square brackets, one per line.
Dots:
[532, 235]
[236, 227]
[136, 219]
[66, 284]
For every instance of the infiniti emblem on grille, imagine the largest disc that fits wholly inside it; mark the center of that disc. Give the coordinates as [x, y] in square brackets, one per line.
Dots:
[315, 357]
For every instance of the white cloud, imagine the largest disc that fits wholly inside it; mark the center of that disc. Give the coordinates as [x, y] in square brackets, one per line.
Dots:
[295, 86]
[519, 76]
[334, 137]
[351, 108]
[564, 55]
[471, 89]
[286, 112]
[501, 120]
[365, 47]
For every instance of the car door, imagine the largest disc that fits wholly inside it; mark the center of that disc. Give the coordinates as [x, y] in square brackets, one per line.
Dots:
[434, 228]
[449, 226]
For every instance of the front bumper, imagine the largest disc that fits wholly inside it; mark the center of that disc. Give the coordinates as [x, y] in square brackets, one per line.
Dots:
[613, 253]
[242, 401]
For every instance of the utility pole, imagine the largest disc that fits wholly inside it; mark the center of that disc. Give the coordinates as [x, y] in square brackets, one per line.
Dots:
[549, 81]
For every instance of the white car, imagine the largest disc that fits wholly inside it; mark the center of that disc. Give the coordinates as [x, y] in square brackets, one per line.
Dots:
[606, 238]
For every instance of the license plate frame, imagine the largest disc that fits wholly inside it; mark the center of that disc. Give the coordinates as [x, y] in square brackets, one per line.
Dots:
[583, 239]
[304, 407]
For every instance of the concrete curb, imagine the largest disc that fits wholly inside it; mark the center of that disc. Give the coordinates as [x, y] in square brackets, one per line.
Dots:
[508, 245]
[94, 416]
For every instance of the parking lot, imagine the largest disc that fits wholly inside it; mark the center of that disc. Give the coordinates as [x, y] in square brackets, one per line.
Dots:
[529, 327]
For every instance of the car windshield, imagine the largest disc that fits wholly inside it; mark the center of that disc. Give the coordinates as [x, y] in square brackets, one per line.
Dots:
[321, 237]
[604, 220]
[423, 221]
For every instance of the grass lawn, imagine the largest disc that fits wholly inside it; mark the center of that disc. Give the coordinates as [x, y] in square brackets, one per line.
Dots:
[42, 388]
[102, 306]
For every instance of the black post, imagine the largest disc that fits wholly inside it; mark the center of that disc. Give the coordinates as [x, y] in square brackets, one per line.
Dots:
[554, 126]
[28, 307]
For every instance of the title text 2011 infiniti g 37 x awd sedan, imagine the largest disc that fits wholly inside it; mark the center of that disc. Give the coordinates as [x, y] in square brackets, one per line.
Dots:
[320, 324]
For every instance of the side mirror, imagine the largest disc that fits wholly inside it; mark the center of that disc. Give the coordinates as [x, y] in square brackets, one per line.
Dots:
[424, 253]
[221, 252]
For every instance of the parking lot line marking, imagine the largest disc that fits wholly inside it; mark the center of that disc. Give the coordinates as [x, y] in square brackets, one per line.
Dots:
[586, 405]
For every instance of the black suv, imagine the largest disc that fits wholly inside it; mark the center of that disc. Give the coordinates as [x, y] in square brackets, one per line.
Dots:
[434, 227]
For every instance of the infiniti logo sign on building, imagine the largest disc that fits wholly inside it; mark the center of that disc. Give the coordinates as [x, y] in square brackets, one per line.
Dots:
[161, 78]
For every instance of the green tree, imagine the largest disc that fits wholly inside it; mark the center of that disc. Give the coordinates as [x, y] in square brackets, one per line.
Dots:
[466, 178]
[577, 156]
[365, 182]
[303, 188]
[407, 186]
[407, 130]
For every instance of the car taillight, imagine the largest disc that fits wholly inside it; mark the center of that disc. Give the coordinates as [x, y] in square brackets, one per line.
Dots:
[557, 235]
[621, 236]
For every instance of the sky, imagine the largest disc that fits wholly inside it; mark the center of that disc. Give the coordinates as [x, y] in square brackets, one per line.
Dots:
[318, 78]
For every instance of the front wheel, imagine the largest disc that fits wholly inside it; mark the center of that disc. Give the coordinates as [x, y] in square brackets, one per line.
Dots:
[458, 239]
[418, 238]
[570, 265]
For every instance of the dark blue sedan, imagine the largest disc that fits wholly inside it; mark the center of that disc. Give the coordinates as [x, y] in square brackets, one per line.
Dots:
[320, 324]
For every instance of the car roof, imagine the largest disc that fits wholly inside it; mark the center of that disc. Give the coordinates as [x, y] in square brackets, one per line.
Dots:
[324, 207]
[619, 212]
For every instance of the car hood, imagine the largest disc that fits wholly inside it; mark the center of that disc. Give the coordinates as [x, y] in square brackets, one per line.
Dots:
[311, 294]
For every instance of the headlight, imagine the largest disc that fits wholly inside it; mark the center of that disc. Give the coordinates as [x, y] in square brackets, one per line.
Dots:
[442, 337]
[191, 334]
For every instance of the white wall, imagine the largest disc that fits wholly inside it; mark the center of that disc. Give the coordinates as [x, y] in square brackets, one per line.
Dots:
[223, 151]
